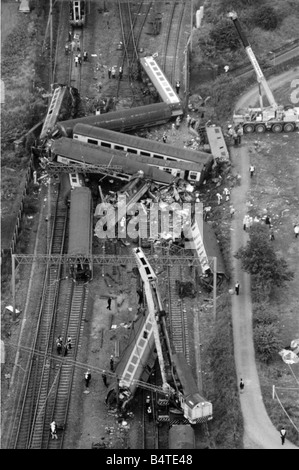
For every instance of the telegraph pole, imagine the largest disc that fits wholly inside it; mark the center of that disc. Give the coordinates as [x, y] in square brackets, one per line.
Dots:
[191, 25]
[13, 286]
[214, 285]
[51, 41]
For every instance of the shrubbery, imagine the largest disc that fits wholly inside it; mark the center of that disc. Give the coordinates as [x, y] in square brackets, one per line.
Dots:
[266, 18]
[225, 36]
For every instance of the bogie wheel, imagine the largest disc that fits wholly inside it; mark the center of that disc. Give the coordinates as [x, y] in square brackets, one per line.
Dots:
[248, 128]
[260, 128]
[276, 128]
[289, 127]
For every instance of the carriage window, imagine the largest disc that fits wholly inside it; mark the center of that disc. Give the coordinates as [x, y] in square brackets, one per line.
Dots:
[92, 141]
[118, 147]
[192, 175]
[171, 159]
[106, 144]
[168, 170]
[132, 150]
[146, 154]
[158, 156]
[75, 136]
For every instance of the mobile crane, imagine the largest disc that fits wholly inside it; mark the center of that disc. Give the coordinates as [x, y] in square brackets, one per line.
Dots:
[274, 117]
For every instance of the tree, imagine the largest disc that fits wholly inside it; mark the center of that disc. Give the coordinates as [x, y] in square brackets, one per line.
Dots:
[259, 259]
[225, 36]
[267, 342]
[266, 18]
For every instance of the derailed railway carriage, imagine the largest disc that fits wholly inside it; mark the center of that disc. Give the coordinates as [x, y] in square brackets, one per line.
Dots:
[80, 234]
[77, 13]
[126, 120]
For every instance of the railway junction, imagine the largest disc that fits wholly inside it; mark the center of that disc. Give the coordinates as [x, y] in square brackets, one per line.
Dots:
[94, 292]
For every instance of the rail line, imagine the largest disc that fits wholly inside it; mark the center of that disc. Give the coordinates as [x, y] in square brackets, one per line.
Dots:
[173, 32]
[132, 23]
[178, 326]
[27, 407]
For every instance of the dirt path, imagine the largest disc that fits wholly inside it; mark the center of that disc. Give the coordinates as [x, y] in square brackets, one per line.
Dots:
[259, 432]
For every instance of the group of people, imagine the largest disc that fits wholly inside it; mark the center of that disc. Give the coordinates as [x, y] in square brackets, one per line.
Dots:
[235, 133]
[112, 72]
[63, 347]
[78, 58]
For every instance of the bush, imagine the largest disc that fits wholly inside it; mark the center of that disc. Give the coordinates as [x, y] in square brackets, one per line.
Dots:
[225, 36]
[267, 342]
[263, 314]
[266, 18]
[259, 259]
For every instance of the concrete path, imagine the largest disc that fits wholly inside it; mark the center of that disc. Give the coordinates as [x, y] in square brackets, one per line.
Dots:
[259, 432]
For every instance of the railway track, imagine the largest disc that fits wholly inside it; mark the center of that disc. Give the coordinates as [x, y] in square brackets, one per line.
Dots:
[170, 65]
[27, 414]
[132, 20]
[178, 326]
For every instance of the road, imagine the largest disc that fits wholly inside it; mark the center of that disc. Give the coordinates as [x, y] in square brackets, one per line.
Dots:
[259, 432]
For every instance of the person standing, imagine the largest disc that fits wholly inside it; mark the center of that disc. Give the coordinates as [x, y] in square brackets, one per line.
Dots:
[178, 122]
[109, 72]
[268, 221]
[164, 137]
[296, 230]
[113, 72]
[109, 303]
[188, 119]
[173, 128]
[104, 377]
[79, 58]
[87, 377]
[120, 72]
[241, 385]
[219, 197]
[59, 348]
[251, 170]
[69, 342]
[177, 86]
[85, 56]
[272, 237]
[245, 222]
[111, 364]
[235, 137]
[53, 429]
[232, 211]
[76, 61]
[239, 134]
[237, 288]
[282, 435]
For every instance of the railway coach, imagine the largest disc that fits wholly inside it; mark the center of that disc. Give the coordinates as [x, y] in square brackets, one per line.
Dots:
[80, 234]
[161, 84]
[77, 13]
[136, 362]
[195, 166]
[126, 120]
[69, 151]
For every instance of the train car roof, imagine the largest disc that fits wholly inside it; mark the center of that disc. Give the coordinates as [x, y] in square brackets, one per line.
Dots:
[94, 155]
[159, 80]
[193, 156]
[190, 388]
[80, 222]
[107, 119]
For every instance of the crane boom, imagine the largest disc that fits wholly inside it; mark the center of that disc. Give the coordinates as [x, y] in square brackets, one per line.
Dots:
[259, 74]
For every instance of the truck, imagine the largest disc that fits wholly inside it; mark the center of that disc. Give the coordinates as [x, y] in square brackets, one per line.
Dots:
[275, 118]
